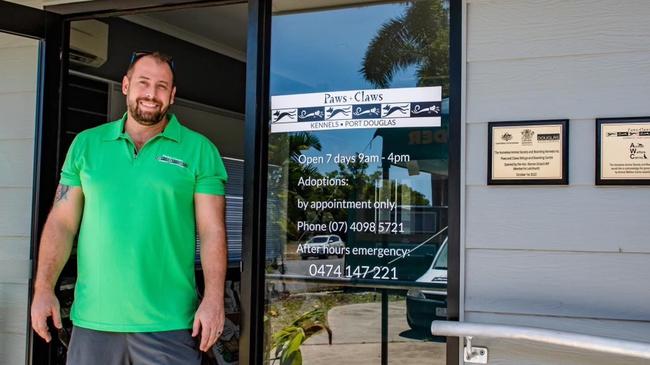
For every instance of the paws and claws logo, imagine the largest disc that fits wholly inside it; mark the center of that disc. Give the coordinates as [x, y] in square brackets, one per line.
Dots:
[401, 109]
[281, 115]
[527, 136]
[433, 109]
[506, 136]
[331, 112]
[304, 114]
[367, 112]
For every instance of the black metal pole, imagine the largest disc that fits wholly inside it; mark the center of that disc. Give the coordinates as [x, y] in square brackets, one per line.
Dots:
[384, 327]
[385, 168]
[251, 350]
[455, 68]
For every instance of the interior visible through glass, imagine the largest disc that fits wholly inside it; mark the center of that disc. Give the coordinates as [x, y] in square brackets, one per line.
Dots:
[358, 183]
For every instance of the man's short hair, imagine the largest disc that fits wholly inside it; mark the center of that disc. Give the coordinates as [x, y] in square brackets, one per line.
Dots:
[156, 55]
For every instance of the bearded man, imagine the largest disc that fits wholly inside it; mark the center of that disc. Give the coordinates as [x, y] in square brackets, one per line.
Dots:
[136, 190]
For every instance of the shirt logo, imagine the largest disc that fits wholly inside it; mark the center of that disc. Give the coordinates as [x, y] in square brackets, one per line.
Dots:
[171, 160]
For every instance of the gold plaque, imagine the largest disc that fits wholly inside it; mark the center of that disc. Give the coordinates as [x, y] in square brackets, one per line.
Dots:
[528, 152]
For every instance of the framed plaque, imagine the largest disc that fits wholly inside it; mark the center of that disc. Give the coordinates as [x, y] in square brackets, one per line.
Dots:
[528, 152]
[623, 151]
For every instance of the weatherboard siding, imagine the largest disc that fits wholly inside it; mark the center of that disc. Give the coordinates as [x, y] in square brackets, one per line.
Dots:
[573, 257]
[18, 62]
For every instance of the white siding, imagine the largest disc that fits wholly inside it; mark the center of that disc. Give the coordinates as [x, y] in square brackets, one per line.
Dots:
[503, 352]
[18, 61]
[18, 107]
[576, 218]
[13, 303]
[12, 349]
[14, 247]
[20, 64]
[16, 173]
[574, 257]
[516, 29]
[576, 87]
[570, 284]
[15, 213]
[521, 352]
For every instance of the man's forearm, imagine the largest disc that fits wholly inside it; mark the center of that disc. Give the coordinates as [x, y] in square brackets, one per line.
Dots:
[56, 243]
[214, 260]
[210, 221]
[54, 251]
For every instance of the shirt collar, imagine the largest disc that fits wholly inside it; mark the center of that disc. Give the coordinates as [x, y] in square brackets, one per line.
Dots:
[172, 130]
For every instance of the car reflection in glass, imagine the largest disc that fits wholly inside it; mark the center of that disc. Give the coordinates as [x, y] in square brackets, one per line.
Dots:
[323, 246]
[426, 305]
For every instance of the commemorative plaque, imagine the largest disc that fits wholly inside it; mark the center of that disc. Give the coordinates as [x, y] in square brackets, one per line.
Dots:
[622, 151]
[528, 152]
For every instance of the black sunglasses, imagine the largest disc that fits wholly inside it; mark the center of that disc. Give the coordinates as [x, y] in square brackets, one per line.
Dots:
[136, 55]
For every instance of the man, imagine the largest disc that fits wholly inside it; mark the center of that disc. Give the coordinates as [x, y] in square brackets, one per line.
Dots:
[136, 189]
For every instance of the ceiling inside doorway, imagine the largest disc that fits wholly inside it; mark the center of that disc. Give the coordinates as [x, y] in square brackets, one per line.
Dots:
[219, 28]
[223, 28]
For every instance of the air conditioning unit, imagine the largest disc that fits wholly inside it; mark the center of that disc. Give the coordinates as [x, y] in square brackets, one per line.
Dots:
[88, 42]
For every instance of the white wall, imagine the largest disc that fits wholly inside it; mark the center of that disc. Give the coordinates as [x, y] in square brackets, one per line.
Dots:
[574, 257]
[18, 62]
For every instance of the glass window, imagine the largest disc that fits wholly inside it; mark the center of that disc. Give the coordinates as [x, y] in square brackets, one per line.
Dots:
[441, 260]
[358, 149]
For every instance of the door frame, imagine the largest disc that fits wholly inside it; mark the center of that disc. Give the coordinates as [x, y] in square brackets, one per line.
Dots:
[46, 27]
[257, 111]
[52, 78]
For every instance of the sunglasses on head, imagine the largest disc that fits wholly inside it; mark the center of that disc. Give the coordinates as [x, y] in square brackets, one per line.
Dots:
[136, 55]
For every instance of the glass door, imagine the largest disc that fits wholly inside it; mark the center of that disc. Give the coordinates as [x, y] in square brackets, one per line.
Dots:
[358, 182]
[22, 94]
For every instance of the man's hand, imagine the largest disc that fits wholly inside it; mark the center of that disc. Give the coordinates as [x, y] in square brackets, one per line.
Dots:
[44, 305]
[208, 321]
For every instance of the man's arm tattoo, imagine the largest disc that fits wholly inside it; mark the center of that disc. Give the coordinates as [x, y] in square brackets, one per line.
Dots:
[61, 193]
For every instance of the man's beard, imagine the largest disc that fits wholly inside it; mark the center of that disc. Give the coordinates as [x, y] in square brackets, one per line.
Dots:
[147, 118]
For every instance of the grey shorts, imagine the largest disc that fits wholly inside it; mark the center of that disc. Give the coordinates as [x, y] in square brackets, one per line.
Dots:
[149, 348]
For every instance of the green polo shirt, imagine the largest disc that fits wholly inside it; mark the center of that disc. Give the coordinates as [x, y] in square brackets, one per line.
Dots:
[136, 244]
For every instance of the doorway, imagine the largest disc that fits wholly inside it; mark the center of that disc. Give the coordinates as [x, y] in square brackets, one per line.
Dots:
[208, 46]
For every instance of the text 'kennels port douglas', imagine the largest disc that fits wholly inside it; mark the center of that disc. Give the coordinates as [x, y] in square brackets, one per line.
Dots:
[354, 109]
